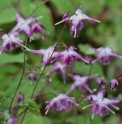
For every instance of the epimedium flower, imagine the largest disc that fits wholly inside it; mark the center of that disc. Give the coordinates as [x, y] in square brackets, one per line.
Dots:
[114, 84]
[48, 55]
[20, 97]
[24, 24]
[10, 41]
[32, 76]
[59, 68]
[69, 55]
[81, 83]
[12, 120]
[76, 21]
[104, 55]
[100, 105]
[101, 82]
[61, 102]
[37, 28]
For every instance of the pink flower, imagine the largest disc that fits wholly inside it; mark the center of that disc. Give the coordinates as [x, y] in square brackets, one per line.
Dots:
[61, 102]
[114, 84]
[20, 97]
[101, 82]
[59, 68]
[69, 55]
[46, 54]
[81, 83]
[37, 28]
[104, 55]
[100, 105]
[32, 76]
[24, 24]
[77, 21]
[12, 120]
[10, 41]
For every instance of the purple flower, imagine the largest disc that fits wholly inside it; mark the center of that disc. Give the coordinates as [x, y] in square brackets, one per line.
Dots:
[23, 24]
[46, 54]
[37, 28]
[12, 120]
[101, 82]
[59, 68]
[114, 84]
[100, 105]
[10, 41]
[32, 76]
[77, 21]
[61, 102]
[81, 83]
[69, 55]
[104, 55]
[20, 97]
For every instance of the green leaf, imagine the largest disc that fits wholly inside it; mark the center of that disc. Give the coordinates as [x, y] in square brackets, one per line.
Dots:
[21, 110]
[86, 49]
[32, 104]
[34, 111]
[32, 119]
[6, 116]
[7, 58]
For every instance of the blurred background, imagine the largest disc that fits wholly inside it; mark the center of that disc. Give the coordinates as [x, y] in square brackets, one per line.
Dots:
[105, 34]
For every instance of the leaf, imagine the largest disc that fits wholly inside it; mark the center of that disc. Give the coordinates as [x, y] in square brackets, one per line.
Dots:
[7, 58]
[6, 116]
[21, 110]
[86, 49]
[32, 119]
[34, 111]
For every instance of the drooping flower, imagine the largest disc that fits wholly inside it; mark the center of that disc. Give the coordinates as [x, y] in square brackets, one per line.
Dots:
[12, 120]
[101, 82]
[37, 28]
[100, 105]
[69, 55]
[48, 56]
[77, 21]
[20, 97]
[114, 84]
[32, 76]
[81, 83]
[59, 68]
[24, 24]
[104, 55]
[61, 102]
[10, 41]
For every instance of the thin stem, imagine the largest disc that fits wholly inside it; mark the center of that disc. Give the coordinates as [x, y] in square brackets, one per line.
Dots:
[49, 58]
[23, 116]
[19, 81]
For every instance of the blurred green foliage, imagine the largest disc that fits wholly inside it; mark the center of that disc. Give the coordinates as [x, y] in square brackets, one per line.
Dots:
[107, 33]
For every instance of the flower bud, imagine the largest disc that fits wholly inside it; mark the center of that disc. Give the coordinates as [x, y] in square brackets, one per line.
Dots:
[114, 84]
[32, 76]
[20, 97]
[65, 15]
[101, 82]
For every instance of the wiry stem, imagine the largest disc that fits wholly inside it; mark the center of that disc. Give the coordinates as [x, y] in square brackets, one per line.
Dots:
[19, 81]
[49, 58]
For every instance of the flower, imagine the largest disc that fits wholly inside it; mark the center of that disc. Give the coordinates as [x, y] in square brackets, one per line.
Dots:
[46, 54]
[100, 105]
[37, 28]
[23, 24]
[101, 82]
[114, 84]
[61, 102]
[81, 83]
[59, 68]
[77, 21]
[20, 97]
[69, 55]
[31, 76]
[12, 120]
[104, 55]
[10, 41]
